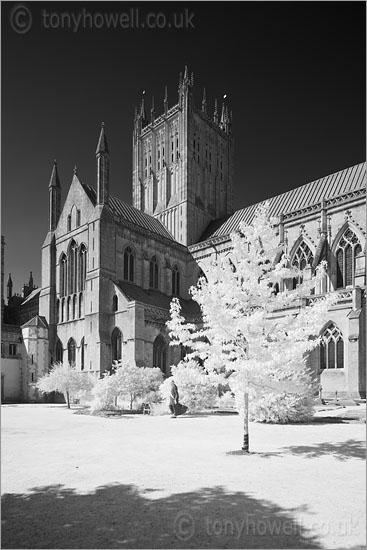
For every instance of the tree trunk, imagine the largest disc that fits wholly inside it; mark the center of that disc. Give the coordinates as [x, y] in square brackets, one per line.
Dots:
[246, 440]
[68, 399]
[131, 403]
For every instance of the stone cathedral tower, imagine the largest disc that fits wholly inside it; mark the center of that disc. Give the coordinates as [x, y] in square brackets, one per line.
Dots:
[183, 164]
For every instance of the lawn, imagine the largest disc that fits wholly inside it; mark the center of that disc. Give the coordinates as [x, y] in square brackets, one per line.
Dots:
[78, 481]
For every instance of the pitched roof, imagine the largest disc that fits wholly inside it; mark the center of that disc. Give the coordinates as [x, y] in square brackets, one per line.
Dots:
[127, 212]
[36, 321]
[32, 295]
[156, 299]
[334, 185]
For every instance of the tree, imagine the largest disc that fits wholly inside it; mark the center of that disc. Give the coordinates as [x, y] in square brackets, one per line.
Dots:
[252, 333]
[127, 380]
[65, 379]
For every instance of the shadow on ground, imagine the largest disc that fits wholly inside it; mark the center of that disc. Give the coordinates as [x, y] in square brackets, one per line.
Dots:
[345, 450]
[121, 516]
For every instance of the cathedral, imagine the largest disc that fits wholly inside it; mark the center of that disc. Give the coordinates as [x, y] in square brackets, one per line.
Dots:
[110, 269]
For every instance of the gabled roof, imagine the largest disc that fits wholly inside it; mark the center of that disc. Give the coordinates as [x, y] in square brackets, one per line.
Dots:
[157, 299]
[129, 213]
[337, 184]
[32, 295]
[36, 321]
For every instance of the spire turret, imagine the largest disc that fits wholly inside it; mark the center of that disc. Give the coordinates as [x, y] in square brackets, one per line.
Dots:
[9, 287]
[54, 189]
[165, 100]
[103, 168]
[152, 113]
[215, 117]
[102, 146]
[203, 103]
[54, 179]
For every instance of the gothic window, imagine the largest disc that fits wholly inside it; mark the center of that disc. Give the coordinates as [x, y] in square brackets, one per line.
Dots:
[116, 344]
[80, 305]
[82, 355]
[72, 267]
[63, 275]
[71, 352]
[332, 349]
[129, 264]
[115, 303]
[82, 266]
[346, 252]
[160, 353]
[301, 259]
[57, 311]
[74, 306]
[69, 223]
[153, 273]
[78, 218]
[175, 281]
[68, 307]
[62, 312]
[59, 352]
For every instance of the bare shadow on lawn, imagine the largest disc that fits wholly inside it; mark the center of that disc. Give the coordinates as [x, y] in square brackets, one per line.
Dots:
[344, 450]
[121, 516]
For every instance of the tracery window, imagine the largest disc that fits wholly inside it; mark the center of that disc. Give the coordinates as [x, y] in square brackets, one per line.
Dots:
[346, 252]
[116, 343]
[160, 353]
[175, 281]
[302, 258]
[82, 266]
[71, 352]
[63, 275]
[332, 349]
[129, 264]
[153, 273]
[72, 267]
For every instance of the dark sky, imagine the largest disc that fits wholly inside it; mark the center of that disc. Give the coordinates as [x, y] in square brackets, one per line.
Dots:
[293, 72]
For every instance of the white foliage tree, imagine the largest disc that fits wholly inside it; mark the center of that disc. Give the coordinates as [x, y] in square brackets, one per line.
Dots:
[258, 336]
[128, 380]
[65, 379]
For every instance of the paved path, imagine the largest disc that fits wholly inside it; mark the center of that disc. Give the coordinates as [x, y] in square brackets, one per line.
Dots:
[74, 481]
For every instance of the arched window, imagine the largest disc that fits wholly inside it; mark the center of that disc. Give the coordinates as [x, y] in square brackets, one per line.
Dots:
[63, 275]
[68, 308]
[59, 351]
[332, 349]
[160, 353]
[78, 217]
[62, 305]
[71, 352]
[129, 264]
[115, 303]
[153, 273]
[72, 267]
[82, 267]
[69, 223]
[57, 311]
[346, 252]
[82, 354]
[80, 304]
[116, 343]
[175, 281]
[301, 259]
[74, 306]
